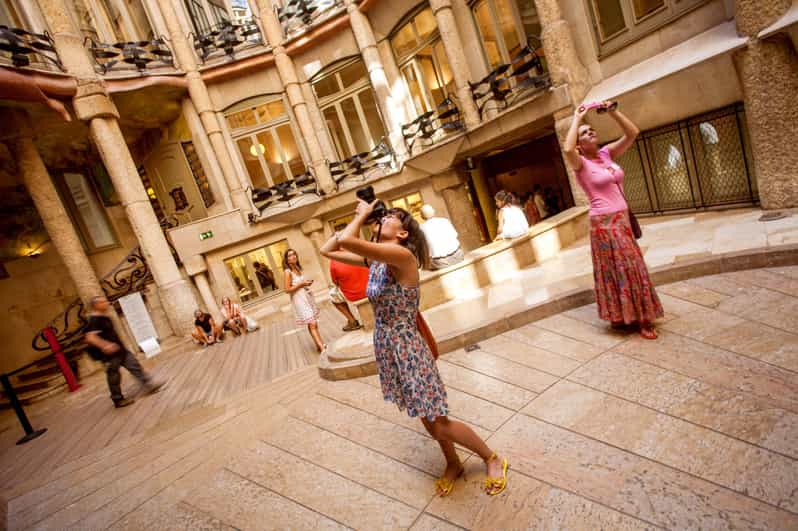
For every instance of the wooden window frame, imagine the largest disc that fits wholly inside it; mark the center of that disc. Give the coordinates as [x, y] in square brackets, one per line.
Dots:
[77, 220]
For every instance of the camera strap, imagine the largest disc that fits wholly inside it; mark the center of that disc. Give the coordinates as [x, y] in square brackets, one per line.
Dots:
[375, 238]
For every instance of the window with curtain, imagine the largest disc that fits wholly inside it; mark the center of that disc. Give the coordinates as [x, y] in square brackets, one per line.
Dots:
[619, 22]
[347, 102]
[422, 61]
[266, 141]
[505, 26]
[87, 211]
[259, 272]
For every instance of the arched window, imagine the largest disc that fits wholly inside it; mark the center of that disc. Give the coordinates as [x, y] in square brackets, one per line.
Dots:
[422, 61]
[266, 140]
[505, 26]
[350, 111]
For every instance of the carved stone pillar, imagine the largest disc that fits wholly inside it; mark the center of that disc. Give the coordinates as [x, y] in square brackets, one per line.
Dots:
[391, 111]
[461, 212]
[197, 268]
[207, 156]
[287, 72]
[455, 54]
[185, 58]
[314, 230]
[561, 125]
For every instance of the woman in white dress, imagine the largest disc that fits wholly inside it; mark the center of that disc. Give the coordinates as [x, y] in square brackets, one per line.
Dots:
[512, 221]
[305, 309]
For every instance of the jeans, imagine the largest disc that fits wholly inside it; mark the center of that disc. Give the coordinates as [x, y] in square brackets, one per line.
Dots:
[126, 359]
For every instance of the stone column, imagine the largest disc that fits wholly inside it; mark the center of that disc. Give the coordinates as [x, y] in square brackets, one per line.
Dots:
[461, 212]
[207, 157]
[405, 109]
[287, 72]
[54, 216]
[197, 267]
[455, 53]
[184, 57]
[391, 111]
[319, 124]
[768, 70]
[92, 104]
[558, 45]
[562, 123]
[314, 229]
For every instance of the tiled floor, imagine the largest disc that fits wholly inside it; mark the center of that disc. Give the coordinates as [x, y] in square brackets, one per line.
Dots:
[603, 430]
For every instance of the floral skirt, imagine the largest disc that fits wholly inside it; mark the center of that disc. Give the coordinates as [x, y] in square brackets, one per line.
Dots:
[624, 292]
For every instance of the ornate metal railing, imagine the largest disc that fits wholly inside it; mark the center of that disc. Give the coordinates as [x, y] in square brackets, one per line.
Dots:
[138, 55]
[285, 194]
[362, 165]
[227, 38]
[22, 48]
[297, 14]
[508, 81]
[432, 125]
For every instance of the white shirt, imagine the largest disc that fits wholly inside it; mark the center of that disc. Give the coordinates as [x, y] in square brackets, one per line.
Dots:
[541, 206]
[515, 223]
[441, 237]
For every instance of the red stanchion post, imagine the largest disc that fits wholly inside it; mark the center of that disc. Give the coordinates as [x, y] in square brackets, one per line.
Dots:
[55, 346]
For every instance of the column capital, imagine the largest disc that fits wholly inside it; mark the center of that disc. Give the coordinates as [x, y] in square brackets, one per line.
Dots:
[311, 225]
[438, 5]
[449, 179]
[195, 265]
[92, 101]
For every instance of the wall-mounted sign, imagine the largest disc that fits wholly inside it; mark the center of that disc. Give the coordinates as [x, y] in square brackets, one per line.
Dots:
[205, 235]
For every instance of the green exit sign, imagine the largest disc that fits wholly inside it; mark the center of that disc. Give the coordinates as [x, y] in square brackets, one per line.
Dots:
[206, 235]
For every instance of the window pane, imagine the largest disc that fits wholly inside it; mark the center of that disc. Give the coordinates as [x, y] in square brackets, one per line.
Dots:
[270, 111]
[290, 151]
[445, 73]
[277, 250]
[355, 127]
[274, 159]
[414, 87]
[242, 278]
[429, 75]
[353, 73]
[337, 133]
[486, 29]
[369, 106]
[241, 119]
[529, 18]
[425, 24]
[404, 41]
[89, 210]
[610, 17]
[249, 154]
[644, 7]
[264, 274]
[507, 24]
[326, 86]
[414, 205]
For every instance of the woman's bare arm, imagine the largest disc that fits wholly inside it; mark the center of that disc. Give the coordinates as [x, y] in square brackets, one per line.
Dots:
[630, 132]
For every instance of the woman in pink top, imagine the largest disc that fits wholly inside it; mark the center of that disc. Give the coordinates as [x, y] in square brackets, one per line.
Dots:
[624, 292]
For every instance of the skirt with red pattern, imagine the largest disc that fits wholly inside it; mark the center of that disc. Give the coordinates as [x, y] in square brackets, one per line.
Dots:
[624, 292]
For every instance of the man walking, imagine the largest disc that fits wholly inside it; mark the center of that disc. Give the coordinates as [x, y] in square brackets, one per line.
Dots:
[105, 346]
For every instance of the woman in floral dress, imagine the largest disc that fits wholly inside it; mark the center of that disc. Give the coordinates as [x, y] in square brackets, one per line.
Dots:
[408, 373]
[625, 294]
[305, 309]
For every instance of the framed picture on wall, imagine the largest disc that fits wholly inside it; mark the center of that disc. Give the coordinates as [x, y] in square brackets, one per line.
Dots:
[103, 185]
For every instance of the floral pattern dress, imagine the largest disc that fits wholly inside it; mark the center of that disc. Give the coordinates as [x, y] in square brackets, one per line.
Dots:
[408, 374]
[306, 311]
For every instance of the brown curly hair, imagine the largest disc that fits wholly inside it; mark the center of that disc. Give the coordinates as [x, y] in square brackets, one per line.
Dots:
[416, 242]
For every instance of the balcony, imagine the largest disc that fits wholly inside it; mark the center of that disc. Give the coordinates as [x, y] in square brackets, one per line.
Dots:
[23, 49]
[228, 38]
[283, 196]
[432, 126]
[363, 166]
[136, 57]
[297, 16]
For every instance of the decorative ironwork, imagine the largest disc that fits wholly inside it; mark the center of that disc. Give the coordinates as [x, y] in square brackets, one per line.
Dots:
[138, 55]
[129, 276]
[700, 162]
[285, 194]
[296, 14]
[362, 164]
[68, 327]
[228, 38]
[431, 125]
[23, 48]
[508, 81]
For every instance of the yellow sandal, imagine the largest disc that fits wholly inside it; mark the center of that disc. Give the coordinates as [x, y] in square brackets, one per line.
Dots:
[445, 486]
[496, 483]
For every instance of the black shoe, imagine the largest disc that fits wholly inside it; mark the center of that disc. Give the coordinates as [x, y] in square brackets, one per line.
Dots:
[352, 327]
[123, 402]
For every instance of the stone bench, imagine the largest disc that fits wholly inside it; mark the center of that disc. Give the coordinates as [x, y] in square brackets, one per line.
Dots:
[496, 261]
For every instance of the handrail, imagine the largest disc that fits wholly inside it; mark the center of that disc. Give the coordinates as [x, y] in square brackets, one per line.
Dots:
[359, 164]
[228, 37]
[141, 55]
[24, 47]
[446, 117]
[282, 194]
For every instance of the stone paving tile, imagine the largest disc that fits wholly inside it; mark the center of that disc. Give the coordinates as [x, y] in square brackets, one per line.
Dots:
[314, 487]
[565, 346]
[704, 453]
[628, 483]
[693, 293]
[181, 516]
[759, 341]
[521, 352]
[734, 414]
[603, 337]
[766, 279]
[703, 323]
[503, 369]
[426, 522]
[485, 387]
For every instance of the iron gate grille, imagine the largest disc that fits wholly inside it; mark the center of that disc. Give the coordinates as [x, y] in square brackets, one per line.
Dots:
[700, 162]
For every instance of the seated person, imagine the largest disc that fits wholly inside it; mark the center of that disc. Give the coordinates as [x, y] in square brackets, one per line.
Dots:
[442, 239]
[350, 284]
[206, 332]
[512, 221]
[265, 276]
[234, 318]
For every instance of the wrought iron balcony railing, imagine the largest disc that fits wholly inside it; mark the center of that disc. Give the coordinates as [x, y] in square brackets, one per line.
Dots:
[283, 195]
[228, 38]
[363, 165]
[298, 14]
[432, 125]
[508, 81]
[22, 48]
[139, 56]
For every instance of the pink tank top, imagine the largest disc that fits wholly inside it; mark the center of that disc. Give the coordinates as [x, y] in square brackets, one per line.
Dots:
[600, 181]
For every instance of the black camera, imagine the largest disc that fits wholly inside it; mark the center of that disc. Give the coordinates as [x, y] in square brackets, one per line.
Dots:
[367, 194]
